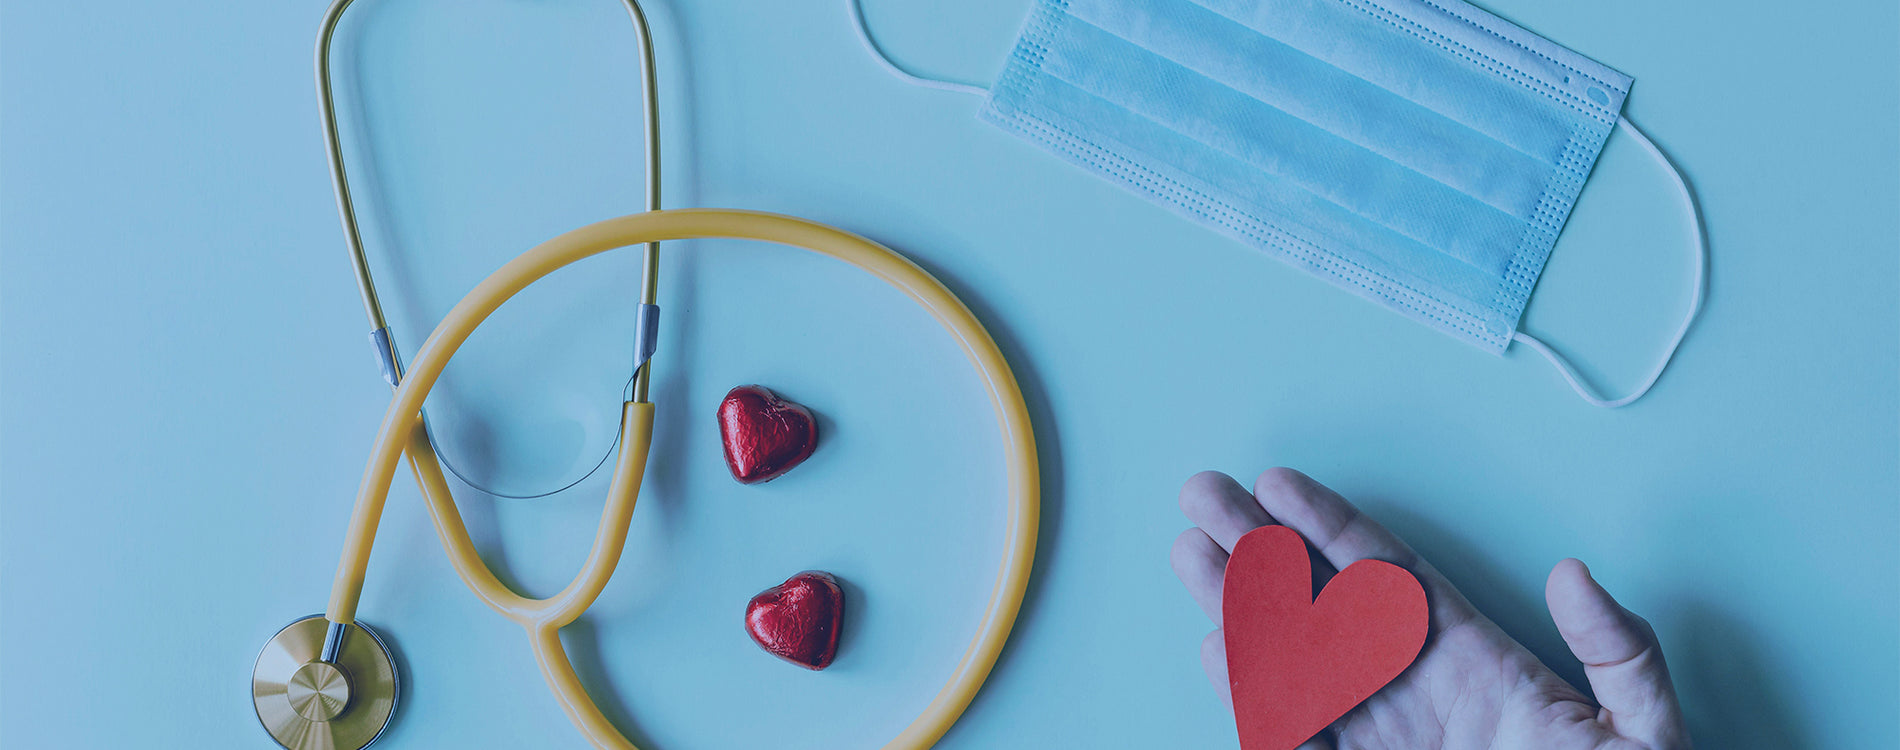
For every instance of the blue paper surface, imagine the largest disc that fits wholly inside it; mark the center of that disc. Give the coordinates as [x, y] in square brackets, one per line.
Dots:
[187, 392]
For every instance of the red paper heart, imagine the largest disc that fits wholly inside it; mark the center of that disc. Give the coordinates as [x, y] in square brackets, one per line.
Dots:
[765, 435]
[1297, 664]
[798, 620]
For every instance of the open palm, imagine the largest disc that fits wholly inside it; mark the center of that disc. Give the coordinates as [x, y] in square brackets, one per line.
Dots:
[1473, 686]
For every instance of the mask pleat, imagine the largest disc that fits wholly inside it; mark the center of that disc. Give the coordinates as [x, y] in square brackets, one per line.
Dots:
[1394, 53]
[1330, 98]
[1211, 187]
[1375, 187]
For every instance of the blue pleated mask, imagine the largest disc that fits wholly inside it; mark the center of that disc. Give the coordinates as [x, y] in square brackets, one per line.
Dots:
[1421, 153]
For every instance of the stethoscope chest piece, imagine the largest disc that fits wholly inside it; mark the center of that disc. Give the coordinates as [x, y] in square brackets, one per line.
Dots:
[309, 703]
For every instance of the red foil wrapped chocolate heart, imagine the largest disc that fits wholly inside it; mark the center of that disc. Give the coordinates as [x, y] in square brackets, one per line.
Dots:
[798, 620]
[765, 435]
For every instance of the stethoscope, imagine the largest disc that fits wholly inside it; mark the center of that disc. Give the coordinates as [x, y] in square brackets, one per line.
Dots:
[329, 681]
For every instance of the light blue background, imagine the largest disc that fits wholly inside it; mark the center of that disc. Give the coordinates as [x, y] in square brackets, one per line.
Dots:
[187, 394]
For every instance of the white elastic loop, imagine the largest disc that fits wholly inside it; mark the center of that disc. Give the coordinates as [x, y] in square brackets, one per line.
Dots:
[1695, 300]
[864, 36]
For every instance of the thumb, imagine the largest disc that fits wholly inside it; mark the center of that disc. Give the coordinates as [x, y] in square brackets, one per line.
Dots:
[1620, 656]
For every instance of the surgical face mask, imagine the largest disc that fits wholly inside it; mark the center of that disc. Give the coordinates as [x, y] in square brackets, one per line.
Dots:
[1424, 154]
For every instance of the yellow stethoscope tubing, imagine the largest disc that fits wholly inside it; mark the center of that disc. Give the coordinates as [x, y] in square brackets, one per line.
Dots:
[401, 430]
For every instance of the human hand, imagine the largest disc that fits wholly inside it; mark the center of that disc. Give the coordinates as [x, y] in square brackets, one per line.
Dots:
[1472, 686]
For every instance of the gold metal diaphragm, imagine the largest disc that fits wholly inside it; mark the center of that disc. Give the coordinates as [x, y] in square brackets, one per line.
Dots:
[309, 704]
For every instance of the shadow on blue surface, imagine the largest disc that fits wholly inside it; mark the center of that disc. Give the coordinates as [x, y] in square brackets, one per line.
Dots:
[583, 648]
[1048, 460]
[1730, 695]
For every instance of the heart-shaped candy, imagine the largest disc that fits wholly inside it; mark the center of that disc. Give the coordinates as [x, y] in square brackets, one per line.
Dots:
[765, 435]
[798, 620]
[1296, 663]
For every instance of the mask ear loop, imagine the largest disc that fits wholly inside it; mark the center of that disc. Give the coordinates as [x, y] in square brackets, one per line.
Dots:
[864, 37]
[1695, 300]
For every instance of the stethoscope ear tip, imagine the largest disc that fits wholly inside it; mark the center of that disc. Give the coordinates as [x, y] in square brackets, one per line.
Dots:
[308, 703]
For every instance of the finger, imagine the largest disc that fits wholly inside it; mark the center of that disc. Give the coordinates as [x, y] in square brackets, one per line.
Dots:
[1226, 512]
[1201, 565]
[1343, 536]
[1214, 660]
[1221, 507]
[1620, 655]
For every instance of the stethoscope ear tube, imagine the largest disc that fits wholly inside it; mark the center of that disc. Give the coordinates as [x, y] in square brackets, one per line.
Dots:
[400, 432]
[389, 362]
[339, 177]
